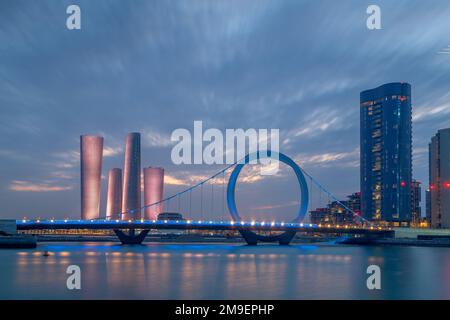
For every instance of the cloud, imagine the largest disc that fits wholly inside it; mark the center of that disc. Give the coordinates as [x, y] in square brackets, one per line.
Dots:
[340, 159]
[170, 180]
[277, 206]
[154, 138]
[430, 112]
[67, 159]
[27, 186]
[112, 151]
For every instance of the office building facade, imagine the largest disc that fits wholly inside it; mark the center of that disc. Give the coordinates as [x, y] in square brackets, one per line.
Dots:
[439, 184]
[386, 157]
[416, 198]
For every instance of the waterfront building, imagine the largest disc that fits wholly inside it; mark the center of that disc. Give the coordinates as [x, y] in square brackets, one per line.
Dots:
[114, 201]
[131, 201]
[416, 198]
[338, 212]
[439, 184]
[153, 191]
[385, 144]
[170, 216]
[91, 154]
[320, 216]
[354, 202]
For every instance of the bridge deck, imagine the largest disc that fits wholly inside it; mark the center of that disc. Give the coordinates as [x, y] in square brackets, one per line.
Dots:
[196, 225]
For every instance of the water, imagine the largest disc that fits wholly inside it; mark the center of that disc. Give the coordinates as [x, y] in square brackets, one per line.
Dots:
[224, 271]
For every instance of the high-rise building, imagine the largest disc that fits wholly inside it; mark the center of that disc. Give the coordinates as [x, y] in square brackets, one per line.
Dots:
[439, 153]
[338, 212]
[320, 215]
[153, 191]
[354, 202]
[131, 201]
[91, 154]
[385, 144]
[114, 202]
[416, 198]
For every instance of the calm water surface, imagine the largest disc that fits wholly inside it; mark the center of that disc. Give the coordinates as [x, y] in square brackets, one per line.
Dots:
[224, 271]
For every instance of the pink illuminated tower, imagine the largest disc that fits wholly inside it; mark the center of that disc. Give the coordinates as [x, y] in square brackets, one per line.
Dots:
[131, 201]
[153, 191]
[91, 153]
[114, 202]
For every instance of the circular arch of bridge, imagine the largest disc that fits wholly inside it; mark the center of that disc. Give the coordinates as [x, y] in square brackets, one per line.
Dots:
[303, 195]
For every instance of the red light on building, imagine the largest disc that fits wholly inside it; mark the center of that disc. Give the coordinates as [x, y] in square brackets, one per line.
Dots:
[447, 185]
[403, 184]
[432, 187]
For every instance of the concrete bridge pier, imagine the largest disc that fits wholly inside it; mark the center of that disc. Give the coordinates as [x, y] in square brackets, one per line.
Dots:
[252, 238]
[131, 237]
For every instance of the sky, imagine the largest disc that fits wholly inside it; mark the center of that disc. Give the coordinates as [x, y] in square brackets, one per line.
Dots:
[156, 66]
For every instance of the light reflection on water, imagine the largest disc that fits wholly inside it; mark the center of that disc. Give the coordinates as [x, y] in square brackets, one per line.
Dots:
[224, 271]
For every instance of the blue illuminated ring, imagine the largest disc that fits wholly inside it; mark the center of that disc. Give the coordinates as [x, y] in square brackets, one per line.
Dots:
[303, 196]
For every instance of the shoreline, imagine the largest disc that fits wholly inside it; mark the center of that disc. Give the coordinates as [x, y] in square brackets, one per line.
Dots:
[429, 242]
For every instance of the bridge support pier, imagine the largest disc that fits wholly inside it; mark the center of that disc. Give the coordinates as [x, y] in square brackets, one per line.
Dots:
[286, 238]
[131, 237]
[249, 237]
[252, 238]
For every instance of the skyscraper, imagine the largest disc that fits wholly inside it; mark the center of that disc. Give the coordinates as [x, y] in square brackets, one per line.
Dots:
[153, 191]
[114, 202]
[131, 202]
[91, 154]
[416, 198]
[439, 153]
[385, 144]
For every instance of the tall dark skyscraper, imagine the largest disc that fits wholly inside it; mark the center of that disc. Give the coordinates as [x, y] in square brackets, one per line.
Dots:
[416, 198]
[439, 150]
[385, 143]
[131, 201]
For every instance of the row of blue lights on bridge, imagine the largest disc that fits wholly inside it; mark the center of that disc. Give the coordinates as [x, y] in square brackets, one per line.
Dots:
[212, 223]
[174, 222]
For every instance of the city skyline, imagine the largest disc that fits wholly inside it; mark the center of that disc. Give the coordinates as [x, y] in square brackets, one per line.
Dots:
[159, 83]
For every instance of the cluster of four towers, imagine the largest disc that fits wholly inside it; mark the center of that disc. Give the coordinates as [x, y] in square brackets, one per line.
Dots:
[124, 197]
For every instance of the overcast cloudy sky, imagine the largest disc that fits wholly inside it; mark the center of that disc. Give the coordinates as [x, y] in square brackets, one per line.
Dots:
[154, 66]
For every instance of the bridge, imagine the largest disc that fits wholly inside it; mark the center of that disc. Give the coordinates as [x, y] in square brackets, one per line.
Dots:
[126, 229]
